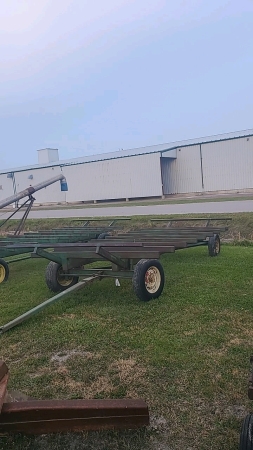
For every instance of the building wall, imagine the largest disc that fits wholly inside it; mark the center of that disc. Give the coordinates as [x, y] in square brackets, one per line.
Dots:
[49, 194]
[136, 176]
[228, 165]
[6, 187]
[183, 174]
[165, 170]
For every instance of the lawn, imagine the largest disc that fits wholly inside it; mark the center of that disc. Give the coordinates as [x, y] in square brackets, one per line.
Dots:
[186, 353]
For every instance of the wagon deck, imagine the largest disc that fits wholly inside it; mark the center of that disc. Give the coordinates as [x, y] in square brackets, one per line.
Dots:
[23, 245]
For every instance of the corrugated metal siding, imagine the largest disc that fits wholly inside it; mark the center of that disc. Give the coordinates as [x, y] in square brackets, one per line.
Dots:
[49, 194]
[183, 174]
[228, 165]
[138, 176]
[6, 187]
[165, 169]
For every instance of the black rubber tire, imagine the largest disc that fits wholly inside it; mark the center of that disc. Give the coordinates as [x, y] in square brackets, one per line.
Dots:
[214, 245]
[103, 235]
[53, 276]
[4, 271]
[139, 280]
[246, 436]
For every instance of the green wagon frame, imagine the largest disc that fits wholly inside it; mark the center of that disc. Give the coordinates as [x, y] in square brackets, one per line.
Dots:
[131, 255]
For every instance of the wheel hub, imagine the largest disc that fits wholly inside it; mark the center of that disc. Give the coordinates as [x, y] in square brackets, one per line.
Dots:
[152, 279]
[63, 279]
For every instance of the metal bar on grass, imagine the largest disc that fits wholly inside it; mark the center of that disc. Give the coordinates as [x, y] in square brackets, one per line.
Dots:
[54, 416]
[48, 302]
[4, 376]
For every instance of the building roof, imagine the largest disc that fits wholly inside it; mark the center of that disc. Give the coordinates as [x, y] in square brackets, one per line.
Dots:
[160, 148]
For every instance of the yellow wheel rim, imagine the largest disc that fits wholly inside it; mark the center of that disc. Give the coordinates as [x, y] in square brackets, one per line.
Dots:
[152, 279]
[2, 273]
[62, 279]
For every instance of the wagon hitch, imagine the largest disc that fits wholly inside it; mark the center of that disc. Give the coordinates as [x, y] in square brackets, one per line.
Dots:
[54, 416]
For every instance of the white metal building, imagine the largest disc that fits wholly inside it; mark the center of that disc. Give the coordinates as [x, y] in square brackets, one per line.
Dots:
[219, 163]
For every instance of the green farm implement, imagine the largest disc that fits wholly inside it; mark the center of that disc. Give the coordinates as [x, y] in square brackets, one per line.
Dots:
[132, 255]
[19, 247]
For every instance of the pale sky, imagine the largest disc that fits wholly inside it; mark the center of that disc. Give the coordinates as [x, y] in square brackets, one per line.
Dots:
[89, 77]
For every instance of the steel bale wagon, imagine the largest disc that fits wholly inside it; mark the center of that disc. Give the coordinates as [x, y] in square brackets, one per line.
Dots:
[10, 245]
[131, 255]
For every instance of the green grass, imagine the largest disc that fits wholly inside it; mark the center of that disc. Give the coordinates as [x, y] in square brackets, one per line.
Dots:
[186, 353]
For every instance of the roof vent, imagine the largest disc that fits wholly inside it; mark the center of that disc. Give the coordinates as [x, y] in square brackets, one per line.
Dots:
[48, 155]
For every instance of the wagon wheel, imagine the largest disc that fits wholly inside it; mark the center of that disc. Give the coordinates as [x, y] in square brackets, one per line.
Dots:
[148, 279]
[4, 271]
[246, 437]
[56, 279]
[214, 245]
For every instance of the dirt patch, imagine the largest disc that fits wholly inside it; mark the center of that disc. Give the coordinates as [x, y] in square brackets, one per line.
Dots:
[63, 356]
[70, 386]
[103, 385]
[158, 423]
[124, 375]
[130, 374]
[128, 370]
[40, 372]
[67, 316]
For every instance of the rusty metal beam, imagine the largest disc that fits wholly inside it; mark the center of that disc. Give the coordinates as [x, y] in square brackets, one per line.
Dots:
[3, 389]
[3, 369]
[4, 376]
[54, 416]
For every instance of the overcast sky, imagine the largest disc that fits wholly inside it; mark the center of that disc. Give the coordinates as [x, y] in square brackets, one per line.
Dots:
[88, 77]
